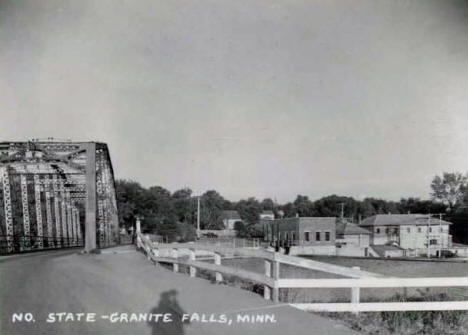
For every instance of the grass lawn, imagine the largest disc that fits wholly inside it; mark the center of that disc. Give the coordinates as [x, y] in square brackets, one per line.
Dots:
[385, 267]
[402, 268]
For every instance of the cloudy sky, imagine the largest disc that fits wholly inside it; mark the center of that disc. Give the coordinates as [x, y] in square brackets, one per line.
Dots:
[251, 98]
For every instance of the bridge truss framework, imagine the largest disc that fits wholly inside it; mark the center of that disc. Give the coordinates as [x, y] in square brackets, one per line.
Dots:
[56, 195]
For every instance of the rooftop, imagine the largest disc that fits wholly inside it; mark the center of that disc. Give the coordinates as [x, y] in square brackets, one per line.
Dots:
[230, 215]
[401, 219]
[347, 228]
[316, 220]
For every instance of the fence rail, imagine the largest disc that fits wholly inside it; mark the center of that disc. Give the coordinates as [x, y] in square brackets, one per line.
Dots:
[272, 282]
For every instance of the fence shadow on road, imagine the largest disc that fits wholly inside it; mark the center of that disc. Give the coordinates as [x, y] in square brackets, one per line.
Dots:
[168, 304]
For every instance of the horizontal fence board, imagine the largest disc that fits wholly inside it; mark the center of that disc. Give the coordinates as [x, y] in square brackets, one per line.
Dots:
[255, 277]
[373, 282]
[324, 267]
[384, 306]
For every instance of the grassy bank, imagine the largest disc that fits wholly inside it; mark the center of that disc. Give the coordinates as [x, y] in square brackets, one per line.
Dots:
[406, 323]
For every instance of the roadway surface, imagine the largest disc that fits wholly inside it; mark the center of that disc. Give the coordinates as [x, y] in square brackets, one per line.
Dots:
[121, 280]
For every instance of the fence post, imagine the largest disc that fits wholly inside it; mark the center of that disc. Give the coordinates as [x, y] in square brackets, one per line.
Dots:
[156, 254]
[355, 292]
[193, 270]
[217, 261]
[266, 288]
[275, 275]
[175, 254]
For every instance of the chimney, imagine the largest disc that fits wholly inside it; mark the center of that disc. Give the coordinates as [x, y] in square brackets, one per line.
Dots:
[360, 218]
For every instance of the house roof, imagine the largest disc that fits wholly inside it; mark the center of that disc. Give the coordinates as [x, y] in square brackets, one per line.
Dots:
[329, 220]
[269, 212]
[347, 228]
[401, 219]
[230, 215]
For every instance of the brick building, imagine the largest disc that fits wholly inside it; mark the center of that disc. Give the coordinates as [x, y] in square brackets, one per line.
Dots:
[302, 235]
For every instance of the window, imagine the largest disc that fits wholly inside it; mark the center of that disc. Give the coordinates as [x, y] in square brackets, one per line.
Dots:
[387, 230]
[432, 242]
[419, 230]
[293, 236]
[395, 230]
[408, 229]
[317, 236]
[327, 236]
[430, 230]
[287, 237]
[377, 230]
[441, 229]
[307, 236]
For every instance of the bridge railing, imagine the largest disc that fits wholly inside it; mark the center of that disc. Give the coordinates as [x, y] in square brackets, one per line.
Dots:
[26, 243]
[272, 282]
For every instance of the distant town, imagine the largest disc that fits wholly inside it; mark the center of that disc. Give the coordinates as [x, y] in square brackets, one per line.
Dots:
[333, 225]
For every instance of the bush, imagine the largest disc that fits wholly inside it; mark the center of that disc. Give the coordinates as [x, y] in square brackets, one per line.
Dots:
[240, 228]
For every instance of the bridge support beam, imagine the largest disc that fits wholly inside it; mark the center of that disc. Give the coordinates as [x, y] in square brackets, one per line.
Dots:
[90, 224]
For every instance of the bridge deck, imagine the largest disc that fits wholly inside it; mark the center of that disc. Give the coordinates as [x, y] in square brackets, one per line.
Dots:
[125, 282]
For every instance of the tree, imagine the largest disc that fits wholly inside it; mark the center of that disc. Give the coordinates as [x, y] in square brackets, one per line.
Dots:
[129, 195]
[212, 204]
[449, 189]
[289, 210]
[303, 206]
[240, 229]
[268, 204]
[416, 205]
[249, 210]
[331, 206]
[184, 205]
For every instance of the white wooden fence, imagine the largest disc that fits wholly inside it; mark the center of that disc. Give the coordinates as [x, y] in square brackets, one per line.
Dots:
[272, 282]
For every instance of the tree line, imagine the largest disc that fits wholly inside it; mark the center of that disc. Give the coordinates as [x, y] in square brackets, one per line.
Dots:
[175, 214]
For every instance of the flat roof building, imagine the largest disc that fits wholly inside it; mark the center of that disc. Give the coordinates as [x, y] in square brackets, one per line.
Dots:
[302, 235]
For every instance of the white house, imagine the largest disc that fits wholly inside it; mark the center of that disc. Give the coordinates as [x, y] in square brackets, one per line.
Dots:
[229, 218]
[417, 234]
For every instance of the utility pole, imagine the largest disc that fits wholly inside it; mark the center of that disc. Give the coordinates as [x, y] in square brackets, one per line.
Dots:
[342, 209]
[198, 216]
[428, 236]
[441, 235]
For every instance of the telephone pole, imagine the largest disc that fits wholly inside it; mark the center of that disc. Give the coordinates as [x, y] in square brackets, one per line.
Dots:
[441, 243]
[342, 209]
[198, 216]
[428, 236]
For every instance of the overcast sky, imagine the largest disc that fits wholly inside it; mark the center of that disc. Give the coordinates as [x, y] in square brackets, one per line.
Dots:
[251, 98]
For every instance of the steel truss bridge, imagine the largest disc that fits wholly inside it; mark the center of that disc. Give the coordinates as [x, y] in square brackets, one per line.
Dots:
[56, 195]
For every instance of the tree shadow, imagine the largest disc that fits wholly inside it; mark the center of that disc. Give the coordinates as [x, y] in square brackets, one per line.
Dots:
[168, 304]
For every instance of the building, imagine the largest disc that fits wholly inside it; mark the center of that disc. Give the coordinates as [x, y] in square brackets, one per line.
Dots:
[302, 235]
[229, 218]
[416, 234]
[267, 215]
[351, 240]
